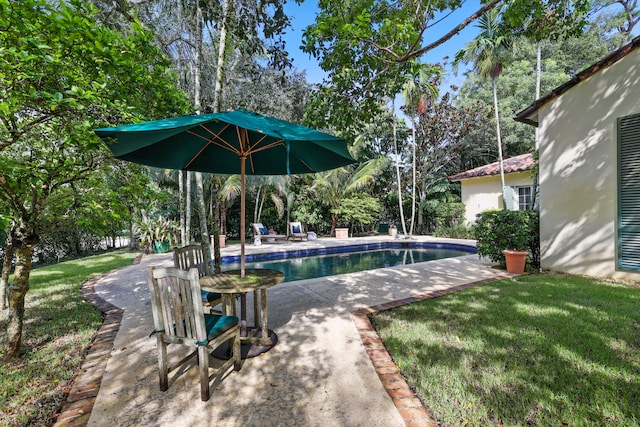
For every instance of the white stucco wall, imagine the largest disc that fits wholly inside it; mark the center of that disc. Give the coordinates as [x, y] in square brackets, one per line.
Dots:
[578, 170]
[483, 193]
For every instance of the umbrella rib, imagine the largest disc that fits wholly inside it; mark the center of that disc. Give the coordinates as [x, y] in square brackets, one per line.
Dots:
[257, 150]
[304, 163]
[265, 147]
[221, 143]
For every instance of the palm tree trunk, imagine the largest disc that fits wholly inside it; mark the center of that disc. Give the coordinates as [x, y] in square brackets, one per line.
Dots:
[395, 148]
[413, 188]
[534, 191]
[500, 163]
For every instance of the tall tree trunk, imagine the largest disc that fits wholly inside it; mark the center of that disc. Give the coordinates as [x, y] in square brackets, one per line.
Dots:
[395, 148]
[215, 213]
[413, 188]
[181, 208]
[22, 242]
[217, 102]
[534, 191]
[495, 106]
[6, 270]
[222, 43]
[187, 208]
[334, 223]
[202, 207]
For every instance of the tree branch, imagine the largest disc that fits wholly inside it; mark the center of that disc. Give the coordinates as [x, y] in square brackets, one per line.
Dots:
[450, 34]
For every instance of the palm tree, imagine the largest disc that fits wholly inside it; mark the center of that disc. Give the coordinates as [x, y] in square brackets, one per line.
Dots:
[485, 53]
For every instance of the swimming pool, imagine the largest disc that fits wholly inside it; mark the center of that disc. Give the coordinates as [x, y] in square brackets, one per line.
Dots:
[321, 262]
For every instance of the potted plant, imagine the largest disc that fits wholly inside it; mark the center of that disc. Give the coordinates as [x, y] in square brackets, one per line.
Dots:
[505, 236]
[158, 235]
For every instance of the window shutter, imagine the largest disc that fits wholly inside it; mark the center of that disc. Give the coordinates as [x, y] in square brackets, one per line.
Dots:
[629, 193]
[508, 198]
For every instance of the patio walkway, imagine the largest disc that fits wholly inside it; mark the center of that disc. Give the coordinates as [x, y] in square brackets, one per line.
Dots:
[321, 372]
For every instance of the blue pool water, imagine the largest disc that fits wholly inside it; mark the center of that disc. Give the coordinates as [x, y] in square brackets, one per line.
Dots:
[307, 264]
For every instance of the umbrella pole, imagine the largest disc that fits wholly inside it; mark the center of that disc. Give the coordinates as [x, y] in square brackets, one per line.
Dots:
[242, 210]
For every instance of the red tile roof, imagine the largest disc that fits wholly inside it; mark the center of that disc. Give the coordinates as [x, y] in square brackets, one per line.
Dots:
[530, 114]
[519, 163]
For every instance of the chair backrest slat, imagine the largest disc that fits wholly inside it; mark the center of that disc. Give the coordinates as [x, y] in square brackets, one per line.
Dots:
[192, 256]
[176, 305]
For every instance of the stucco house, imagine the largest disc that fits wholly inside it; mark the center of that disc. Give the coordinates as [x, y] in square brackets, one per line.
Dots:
[481, 188]
[589, 157]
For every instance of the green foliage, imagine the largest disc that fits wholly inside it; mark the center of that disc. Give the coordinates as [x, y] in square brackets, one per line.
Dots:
[370, 49]
[358, 208]
[455, 232]
[497, 230]
[60, 327]
[62, 75]
[449, 214]
[543, 350]
[516, 89]
[158, 230]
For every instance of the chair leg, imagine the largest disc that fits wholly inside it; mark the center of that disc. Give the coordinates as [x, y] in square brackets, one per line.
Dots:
[236, 351]
[203, 365]
[162, 364]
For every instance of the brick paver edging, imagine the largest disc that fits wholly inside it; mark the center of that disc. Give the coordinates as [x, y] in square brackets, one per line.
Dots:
[76, 410]
[408, 404]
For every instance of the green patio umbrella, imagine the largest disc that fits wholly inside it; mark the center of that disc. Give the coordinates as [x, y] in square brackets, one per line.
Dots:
[234, 142]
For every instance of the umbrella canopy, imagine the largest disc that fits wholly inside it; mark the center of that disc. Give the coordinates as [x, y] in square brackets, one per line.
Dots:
[234, 142]
[215, 142]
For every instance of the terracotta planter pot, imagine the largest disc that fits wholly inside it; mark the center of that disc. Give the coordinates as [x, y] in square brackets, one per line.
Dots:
[516, 260]
[342, 233]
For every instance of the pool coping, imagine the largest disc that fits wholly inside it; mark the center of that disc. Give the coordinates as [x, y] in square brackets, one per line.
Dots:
[330, 250]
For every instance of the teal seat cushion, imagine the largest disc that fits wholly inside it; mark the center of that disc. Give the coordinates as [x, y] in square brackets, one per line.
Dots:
[217, 324]
[210, 296]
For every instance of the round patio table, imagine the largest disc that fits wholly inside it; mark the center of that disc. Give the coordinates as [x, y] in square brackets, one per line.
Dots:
[258, 280]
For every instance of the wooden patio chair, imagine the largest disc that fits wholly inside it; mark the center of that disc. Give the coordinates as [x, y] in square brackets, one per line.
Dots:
[195, 256]
[178, 318]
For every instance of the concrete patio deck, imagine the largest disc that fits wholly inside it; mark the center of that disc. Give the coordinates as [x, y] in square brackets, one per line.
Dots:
[326, 369]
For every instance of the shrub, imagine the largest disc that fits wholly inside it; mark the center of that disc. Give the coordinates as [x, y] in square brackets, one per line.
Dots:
[497, 230]
[459, 232]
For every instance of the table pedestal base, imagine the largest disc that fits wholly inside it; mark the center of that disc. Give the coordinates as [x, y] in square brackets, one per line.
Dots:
[247, 349]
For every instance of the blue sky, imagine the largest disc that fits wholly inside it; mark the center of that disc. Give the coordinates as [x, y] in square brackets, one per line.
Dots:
[304, 15]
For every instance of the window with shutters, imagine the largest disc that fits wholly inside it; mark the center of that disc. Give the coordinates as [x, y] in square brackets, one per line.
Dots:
[628, 245]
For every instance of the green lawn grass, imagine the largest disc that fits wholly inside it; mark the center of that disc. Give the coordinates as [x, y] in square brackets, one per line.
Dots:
[543, 350]
[58, 327]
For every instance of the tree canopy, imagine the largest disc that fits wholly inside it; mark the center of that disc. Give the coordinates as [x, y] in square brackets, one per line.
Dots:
[369, 49]
[61, 76]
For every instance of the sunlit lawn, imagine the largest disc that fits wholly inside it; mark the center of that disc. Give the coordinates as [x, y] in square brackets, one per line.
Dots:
[543, 350]
[58, 326]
